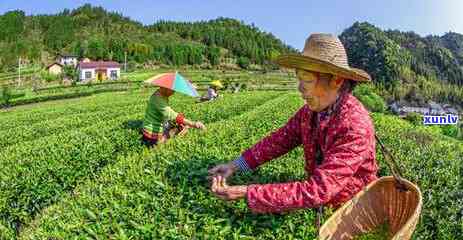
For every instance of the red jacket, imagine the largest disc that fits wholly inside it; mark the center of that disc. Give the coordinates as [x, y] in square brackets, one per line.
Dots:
[347, 142]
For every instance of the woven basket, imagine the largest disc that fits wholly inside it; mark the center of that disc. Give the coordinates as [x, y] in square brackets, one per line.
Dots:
[381, 200]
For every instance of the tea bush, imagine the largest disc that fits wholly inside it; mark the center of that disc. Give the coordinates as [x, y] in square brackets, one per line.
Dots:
[38, 172]
[369, 98]
[96, 181]
[414, 118]
[164, 194]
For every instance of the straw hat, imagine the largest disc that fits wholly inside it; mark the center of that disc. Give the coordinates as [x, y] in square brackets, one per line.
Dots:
[323, 53]
[216, 83]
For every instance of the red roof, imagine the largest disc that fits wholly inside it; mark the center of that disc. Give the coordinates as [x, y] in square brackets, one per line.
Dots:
[99, 64]
[55, 63]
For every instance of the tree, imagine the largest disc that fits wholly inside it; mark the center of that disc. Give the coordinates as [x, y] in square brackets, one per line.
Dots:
[12, 25]
[70, 72]
[213, 54]
[60, 33]
[243, 62]
[96, 49]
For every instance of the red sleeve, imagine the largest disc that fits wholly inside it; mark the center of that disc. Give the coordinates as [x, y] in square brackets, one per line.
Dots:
[180, 119]
[338, 167]
[277, 143]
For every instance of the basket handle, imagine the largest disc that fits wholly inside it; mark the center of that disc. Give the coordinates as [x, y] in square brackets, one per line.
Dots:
[396, 173]
[392, 164]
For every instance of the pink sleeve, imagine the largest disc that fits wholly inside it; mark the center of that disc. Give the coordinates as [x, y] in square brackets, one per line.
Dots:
[276, 144]
[338, 167]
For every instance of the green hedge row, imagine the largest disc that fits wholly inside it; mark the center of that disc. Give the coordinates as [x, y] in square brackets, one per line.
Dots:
[37, 173]
[164, 194]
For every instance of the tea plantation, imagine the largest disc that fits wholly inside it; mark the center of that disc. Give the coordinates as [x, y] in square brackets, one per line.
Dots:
[75, 169]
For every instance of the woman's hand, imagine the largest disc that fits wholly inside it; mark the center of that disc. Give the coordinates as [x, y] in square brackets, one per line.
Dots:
[193, 124]
[199, 125]
[228, 193]
[223, 170]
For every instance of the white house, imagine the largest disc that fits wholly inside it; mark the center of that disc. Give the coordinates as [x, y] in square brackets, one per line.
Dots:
[67, 60]
[432, 108]
[99, 70]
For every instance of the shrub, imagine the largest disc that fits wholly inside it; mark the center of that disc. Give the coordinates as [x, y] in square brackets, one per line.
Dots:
[90, 181]
[71, 73]
[48, 77]
[243, 62]
[451, 131]
[78, 147]
[415, 118]
[372, 101]
[164, 193]
[5, 96]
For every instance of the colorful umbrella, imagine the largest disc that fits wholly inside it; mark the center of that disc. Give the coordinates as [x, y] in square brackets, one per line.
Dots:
[174, 81]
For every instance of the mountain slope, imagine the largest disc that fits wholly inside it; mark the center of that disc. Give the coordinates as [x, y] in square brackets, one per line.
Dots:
[406, 66]
[98, 34]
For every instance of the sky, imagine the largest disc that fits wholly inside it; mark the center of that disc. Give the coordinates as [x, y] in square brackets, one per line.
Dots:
[290, 20]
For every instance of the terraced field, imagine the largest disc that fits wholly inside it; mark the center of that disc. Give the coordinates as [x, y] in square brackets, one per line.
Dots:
[75, 169]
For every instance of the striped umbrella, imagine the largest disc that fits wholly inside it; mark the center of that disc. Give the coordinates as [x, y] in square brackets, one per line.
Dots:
[173, 81]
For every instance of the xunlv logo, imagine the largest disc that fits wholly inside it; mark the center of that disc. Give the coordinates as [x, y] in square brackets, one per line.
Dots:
[441, 120]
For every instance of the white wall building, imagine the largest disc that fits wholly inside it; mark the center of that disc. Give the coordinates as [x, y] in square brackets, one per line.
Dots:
[68, 60]
[98, 70]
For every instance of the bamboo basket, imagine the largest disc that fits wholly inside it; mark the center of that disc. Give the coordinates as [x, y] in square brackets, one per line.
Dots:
[382, 200]
[390, 199]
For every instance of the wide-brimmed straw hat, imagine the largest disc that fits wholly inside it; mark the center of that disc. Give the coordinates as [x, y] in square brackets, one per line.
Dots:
[323, 53]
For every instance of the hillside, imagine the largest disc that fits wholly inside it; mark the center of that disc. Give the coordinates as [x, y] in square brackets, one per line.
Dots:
[406, 66]
[98, 34]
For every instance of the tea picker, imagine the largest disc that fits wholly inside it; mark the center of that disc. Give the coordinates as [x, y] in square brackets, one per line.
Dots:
[212, 91]
[338, 139]
[161, 122]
